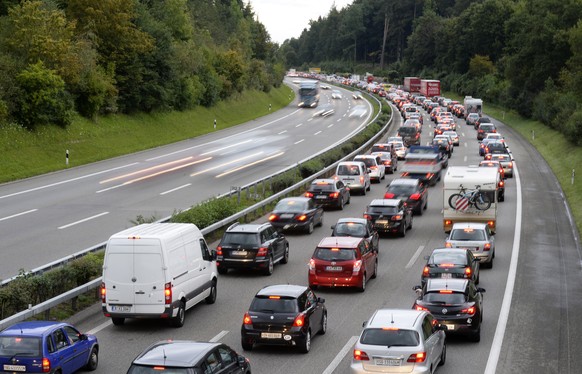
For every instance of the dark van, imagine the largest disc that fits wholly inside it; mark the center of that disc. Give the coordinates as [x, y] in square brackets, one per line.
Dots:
[410, 135]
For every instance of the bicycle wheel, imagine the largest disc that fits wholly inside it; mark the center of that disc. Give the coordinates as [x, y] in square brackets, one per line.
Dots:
[453, 200]
[482, 201]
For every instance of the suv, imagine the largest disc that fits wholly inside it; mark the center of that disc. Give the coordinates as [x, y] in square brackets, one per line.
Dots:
[389, 215]
[358, 228]
[375, 164]
[413, 191]
[475, 236]
[185, 357]
[286, 315]
[251, 246]
[329, 193]
[447, 263]
[343, 262]
[46, 347]
[400, 341]
[410, 135]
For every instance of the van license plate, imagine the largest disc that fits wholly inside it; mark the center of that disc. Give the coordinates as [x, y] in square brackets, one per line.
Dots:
[387, 362]
[287, 215]
[120, 308]
[15, 368]
[446, 275]
[270, 335]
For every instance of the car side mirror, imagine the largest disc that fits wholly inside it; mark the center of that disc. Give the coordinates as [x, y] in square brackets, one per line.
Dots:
[320, 300]
[83, 337]
[364, 323]
[482, 290]
[333, 227]
[241, 360]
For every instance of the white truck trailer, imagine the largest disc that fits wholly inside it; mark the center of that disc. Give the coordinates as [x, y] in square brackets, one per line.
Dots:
[472, 105]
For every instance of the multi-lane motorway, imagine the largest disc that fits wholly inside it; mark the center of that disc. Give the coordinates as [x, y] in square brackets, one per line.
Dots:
[531, 322]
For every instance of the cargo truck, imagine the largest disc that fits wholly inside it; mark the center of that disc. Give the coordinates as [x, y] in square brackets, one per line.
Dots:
[412, 84]
[430, 87]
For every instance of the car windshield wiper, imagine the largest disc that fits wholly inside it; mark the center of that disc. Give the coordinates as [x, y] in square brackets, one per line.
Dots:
[20, 354]
[399, 345]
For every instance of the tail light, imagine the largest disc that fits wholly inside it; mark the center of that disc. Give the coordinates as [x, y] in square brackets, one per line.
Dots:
[46, 365]
[510, 165]
[501, 184]
[334, 195]
[301, 218]
[273, 217]
[357, 267]
[103, 292]
[262, 252]
[360, 355]
[429, 175]
[361, 179]
[420, 308]
[368, 217]
[487, 247]
[389, 195]
[491, 224]
[417, 357]
[469, 311]
[308, 194]
[448, 245]
[312, 266]
[247, 321]
[405, 174]
[373, 167]
[387, 163]
[468, 272]
[415, 196]
[219, 251]
[168, 293]
[448, 222]
[299, 320]
[397, 217]
[425, 271]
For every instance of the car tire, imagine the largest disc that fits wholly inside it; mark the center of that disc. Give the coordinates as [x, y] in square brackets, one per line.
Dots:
[443, 355]
[246, 346]
[270, 267]
[501, 198]
[306, 343]
[340, 205]
[309, 229]
[349, 199]
[320, 224]
[222, 270]
[476, 336]
[410, 226]
[418, 211]
[488, 265]
[285, 258]
[362, 288]
[370, 185]
[178, 321]
[93, 360]
[425, 205]
[403, 231]
[211, 299]
[364, 191]
[118, 321]
[323, 329]
[375, 273]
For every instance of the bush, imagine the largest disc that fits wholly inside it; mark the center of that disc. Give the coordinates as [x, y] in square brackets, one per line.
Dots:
[310, 167]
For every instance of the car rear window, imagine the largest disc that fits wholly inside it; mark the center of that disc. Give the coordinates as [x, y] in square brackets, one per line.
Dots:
[368, 161]
[348, 170]
[240, 238]
[408, 130]
[445, 298]
[20, 346]
[401, 189]
[380, 148]
[487, 126]
[335, 254]
[382, 209]
[390, 338]
[293, 206]
[138, 369]
[449, 258]
[274, 305]
[464, 234]
[350, 229]
[322, 187]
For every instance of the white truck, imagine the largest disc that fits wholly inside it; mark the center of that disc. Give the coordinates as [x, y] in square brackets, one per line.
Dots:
[472, 105]
[459, 184]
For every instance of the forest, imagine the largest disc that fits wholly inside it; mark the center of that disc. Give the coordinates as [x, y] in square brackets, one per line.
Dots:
[59, 58]
[523, 54]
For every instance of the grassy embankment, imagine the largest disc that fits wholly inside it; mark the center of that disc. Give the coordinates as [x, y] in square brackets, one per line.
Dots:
[28, 153]
[559, 153]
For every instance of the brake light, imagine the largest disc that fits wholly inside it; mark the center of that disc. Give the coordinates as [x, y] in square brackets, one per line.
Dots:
[361, 179]
[419, 308]
[468, 271]
[487, 247]
[334, 195]
[425, 271]
[312, 266]
[373, 167]
[308, 194]
[510, 165]
[247, 321]
[301, 218]
[501, 183]
[491, 224]
[448, 222]
[448, 245]
[446, 291]
[417, 357]
[360, 355]
[357, 267]
[397, 217]
[429, 175]
[387, 163]
[470, 311]
[368, 217]
[103, 292]
[415, 196]
[273, 217]
[405, 174]
[299, 320]
[262, 252]
[46, 365]
[219, 251]
[389, 195]
[168, 293]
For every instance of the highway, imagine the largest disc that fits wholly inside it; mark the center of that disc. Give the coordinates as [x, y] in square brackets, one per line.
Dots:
[48, 217]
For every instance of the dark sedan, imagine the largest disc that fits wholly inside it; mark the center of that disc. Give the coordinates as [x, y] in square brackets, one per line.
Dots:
[447, 263]
[329, 193]
[389, 216]
[358, 228]
[296, 213]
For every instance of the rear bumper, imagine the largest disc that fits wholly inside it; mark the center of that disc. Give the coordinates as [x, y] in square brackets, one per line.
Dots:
[288, 338]
[242, 263]
[335, 281]
[168, 312]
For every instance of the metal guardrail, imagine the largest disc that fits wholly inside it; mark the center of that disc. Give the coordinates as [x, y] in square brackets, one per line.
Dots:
[51, 303]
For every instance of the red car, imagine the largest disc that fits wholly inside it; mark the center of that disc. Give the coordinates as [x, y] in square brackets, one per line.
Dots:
[343, 262]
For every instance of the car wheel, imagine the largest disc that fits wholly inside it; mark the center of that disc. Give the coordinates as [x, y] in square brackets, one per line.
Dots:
[93, 360]
[270, 266]
[341, 204]
[362, 288]
[178, 321]
[501, 198]
[410, 226]
[370, 185]
[246, 346]
[349, 198]
[443, 355]
[375, 273]
[418, 211]
[310, 227]
[425, 205]
[489, 265]
[476, 336]
[403, 231]
[323, 324]
[364, 191]
[222, 270]
[285, 258]
[210, 299]
[118, 321]
[306, 343]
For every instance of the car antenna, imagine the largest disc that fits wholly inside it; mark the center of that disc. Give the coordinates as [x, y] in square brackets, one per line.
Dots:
[165, 357]
[392, 318]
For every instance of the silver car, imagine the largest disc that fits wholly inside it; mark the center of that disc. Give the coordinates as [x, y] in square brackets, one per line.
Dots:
[474, 236]
[400, 341]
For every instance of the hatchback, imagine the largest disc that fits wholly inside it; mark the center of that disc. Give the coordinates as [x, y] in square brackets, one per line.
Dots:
[358, 228]
[413, 191]
[475, 236]
[47, 347]
[484, 129]
[389, 216]
[451, 263]
[189, 357]
[343, 262]
[400, 341]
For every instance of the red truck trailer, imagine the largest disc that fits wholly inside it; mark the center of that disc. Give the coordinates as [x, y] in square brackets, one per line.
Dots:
[430, 87]
[412, 84]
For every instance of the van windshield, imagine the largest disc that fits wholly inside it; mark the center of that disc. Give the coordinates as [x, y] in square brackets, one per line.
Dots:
[389, 338]
[368, 161]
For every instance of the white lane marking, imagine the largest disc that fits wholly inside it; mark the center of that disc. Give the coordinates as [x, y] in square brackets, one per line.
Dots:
[219, 336]
[83, 220]
[299, 125]
[226, 163]
[282, 132]
[100, 327]
[18, 214]
[250, 164]
[317, 133]
[67, 181]
[299, 141]
[340, 356]
[175, 189]
[339, 120]
[466, 145]
[506, 305]
[228, 146]
[344, 115]
[463, 134]
[330, 125]
[109, 188]
[465, 159]
[414, 257]
[309, 120]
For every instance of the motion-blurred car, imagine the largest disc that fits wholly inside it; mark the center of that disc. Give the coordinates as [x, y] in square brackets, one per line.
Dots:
[358, 111]
[296, 213]
[359, 228]
[476, 237]
[357, 95]
[451, 263]
[324, 110]
[329, 193]
[336, 94]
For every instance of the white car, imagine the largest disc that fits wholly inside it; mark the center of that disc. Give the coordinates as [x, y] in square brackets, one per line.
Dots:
[336, 94]
[376, 166]
[454, 136]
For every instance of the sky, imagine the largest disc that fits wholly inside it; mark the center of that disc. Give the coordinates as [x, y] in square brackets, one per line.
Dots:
[285, 19]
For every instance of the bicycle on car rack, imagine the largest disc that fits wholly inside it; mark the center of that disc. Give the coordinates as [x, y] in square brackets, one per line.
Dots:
[469, 198]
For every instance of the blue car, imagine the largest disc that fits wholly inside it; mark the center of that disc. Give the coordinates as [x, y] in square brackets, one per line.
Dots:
[47, 347]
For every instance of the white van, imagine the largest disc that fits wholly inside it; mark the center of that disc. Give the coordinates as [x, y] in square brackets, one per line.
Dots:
[354, 174]
[157, 270]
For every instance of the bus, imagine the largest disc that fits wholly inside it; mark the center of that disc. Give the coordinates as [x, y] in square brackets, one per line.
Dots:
[308, 94]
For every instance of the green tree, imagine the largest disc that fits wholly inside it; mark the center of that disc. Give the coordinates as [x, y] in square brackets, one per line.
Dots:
[480, 66]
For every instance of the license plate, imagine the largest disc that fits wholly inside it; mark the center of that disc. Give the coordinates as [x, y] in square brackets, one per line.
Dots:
[270, 335]
[321, 197]
[333, 268]
[446, 275]
[239, 253]
[387, 362]
[15, 368]
[120, 308]
[450, 327]
[287, 215]
[348, 179]
[382, 222]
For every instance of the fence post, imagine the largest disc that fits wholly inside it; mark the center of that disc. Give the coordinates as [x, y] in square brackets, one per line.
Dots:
[573, 175]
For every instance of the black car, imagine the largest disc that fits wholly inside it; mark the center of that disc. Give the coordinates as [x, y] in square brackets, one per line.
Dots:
[389, 216]
[358, 228]
[447, 263]
[329, 193]
[251, 246]
[286, 315]
[296, 213]
[484, 129]
[495, 147]
[455, 303]
[413, 191]
[189, 357]
[480, 121]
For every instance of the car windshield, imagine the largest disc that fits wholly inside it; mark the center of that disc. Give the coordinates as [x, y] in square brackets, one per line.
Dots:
[293, 206]
[335, 254]
[449, 258]
[139, 369]
[382, 209]
[350, 229]
[487, 127]
[273, 305]
[390, 337]
[240, 238]
[444, 298]
[20, 346]
[348, 170]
